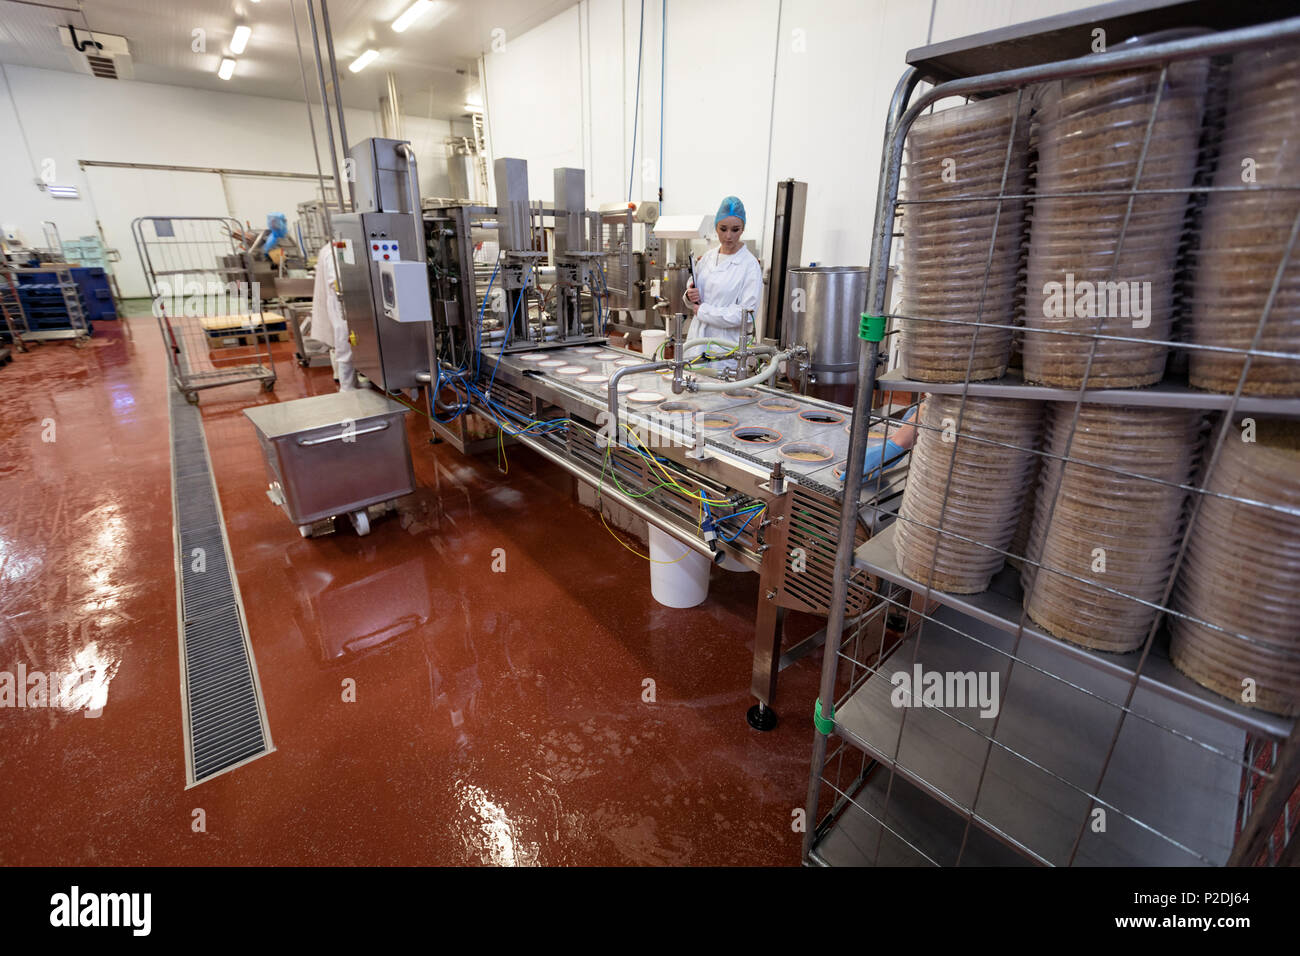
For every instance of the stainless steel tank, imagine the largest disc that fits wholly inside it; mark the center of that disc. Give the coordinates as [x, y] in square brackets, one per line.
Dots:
[824, 309]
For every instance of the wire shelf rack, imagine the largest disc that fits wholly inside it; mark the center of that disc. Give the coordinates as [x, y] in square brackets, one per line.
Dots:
[208, 306]
[1013, 698]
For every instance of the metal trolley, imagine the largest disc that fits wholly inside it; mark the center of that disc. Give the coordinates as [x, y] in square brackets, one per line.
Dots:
[1090, 757]
[208, 306]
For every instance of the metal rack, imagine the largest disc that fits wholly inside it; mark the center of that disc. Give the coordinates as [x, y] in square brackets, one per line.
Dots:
[19, 325]
[208, 306]
[1090, 757]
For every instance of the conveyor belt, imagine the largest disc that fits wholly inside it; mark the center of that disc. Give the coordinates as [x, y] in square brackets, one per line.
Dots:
[792, 429]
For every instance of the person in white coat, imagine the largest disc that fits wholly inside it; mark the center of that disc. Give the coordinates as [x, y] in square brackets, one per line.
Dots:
[328, 326]
[728, 282]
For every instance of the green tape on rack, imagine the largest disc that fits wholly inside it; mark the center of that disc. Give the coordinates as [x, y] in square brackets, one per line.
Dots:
[825, 725]
[872, 328]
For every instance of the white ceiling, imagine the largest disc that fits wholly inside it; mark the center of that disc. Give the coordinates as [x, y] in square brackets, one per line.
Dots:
[434, 59]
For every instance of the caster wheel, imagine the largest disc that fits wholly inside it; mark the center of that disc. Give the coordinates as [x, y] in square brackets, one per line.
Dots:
[360, 522]
[192, 397]
[761, 717]
[268, 386]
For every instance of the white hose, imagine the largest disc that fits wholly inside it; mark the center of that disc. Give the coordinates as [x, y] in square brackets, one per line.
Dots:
[764, 375]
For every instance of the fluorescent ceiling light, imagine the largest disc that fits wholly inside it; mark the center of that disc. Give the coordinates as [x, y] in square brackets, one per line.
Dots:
[227, 68]
[472, 108]
[411, 14]
[62, 192]
[363, 61]
[239, 41]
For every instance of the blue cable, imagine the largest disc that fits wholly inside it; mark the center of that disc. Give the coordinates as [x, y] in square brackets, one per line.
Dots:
[478, 354]
[741, 528]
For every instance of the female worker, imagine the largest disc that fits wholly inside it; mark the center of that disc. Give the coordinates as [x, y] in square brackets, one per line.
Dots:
[728, 282]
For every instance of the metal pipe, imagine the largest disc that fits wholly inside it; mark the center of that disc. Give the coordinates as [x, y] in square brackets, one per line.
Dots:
[413, 187]
[640, 510]
[338, 95]
[859, 428]
[629, 370]
[311, 126]
[325, 103]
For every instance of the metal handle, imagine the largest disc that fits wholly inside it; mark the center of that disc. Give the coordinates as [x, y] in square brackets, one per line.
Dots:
[341, 436]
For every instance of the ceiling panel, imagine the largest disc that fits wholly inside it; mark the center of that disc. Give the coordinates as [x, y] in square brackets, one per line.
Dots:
[434, 59]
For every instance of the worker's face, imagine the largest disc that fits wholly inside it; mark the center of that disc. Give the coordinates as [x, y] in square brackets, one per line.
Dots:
[729, 231]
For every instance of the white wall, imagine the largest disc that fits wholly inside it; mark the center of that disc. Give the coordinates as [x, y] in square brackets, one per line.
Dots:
[68, 117]
[806, 81]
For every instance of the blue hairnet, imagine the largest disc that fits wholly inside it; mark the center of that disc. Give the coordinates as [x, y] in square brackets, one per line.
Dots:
[731, 206]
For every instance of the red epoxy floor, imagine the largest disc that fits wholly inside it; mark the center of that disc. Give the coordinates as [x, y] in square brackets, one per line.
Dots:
[499, 716]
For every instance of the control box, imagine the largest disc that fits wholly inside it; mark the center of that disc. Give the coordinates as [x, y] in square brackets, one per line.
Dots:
[404, 290]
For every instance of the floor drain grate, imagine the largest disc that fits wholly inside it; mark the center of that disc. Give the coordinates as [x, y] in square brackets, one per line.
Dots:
[225, 718]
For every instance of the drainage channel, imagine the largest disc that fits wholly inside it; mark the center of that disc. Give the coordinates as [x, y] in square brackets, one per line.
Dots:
[224, 715]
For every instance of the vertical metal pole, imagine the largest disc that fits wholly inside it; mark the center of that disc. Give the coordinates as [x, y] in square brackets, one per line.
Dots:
[338, 96]
[325, 103]
[886, 197]
[311, 120]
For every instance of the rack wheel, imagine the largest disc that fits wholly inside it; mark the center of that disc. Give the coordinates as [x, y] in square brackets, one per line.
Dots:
[761, 717]
[269, 385]
[80, 342]
[192, 397]
[360, 522]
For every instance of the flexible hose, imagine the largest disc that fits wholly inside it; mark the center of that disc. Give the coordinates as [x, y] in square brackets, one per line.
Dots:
[764, 375]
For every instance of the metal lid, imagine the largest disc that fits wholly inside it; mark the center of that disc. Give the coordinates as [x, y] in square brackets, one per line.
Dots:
[320, 411]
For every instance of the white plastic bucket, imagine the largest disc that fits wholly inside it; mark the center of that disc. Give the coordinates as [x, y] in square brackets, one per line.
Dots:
[674, 582]
[651, 339]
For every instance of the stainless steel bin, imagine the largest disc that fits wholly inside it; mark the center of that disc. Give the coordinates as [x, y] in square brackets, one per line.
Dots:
[334, 454]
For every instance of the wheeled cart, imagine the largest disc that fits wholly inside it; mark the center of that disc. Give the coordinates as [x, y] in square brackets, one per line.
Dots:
[340, 454]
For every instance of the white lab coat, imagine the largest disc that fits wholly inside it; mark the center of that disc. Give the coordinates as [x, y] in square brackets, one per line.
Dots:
[728, 286]
[328, 325]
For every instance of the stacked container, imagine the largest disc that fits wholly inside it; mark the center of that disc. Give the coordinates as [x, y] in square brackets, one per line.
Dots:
[1241, 575]
[1244, 238]
[963, 256]
[1110, 542]
[988, 483]
[1095, 264]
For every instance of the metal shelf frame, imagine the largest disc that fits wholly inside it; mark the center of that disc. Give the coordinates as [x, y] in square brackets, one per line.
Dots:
[1187, 793]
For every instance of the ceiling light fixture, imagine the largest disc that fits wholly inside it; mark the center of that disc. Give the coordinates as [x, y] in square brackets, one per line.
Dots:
[243, 33]
[472, 108]
[363, 61]
[227, 68]
[411, 14]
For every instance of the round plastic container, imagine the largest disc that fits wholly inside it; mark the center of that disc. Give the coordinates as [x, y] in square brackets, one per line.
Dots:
[1090, 134]
[1239, 585]
[962, 254]
[974, 488]
[651, 339]
[1107, 524]
[677, 583]
[1243, 236]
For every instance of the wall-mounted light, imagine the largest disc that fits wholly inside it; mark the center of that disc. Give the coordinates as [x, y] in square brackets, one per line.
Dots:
[411, 14]
[363, 61]
[243, 33]
[62, 192]
[227, 68]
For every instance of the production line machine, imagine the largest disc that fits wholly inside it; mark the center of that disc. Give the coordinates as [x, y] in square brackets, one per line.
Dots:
[501, 315]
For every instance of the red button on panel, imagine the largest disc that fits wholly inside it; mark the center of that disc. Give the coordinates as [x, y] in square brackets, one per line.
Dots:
[375, 247]
[385, 255]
